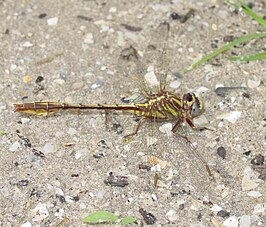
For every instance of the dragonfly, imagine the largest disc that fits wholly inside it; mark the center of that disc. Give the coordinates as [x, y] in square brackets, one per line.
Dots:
[158, 105]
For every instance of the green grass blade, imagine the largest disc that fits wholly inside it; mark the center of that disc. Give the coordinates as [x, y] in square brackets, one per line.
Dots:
[127, 220]
[224, 48]
[241, 6]
[2, 133]
[100, 217]
[253, 57]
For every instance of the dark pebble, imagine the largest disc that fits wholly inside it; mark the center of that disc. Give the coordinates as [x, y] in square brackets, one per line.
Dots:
[149, 218]
[262, 176]
[39, 79]
[258, 160]
[117, 181]
[175, 16]
[221, 152]
[23, 183]
[223, 213]
[42, 15]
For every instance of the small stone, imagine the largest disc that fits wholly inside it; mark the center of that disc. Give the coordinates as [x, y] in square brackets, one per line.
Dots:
[13, 67]
[25, 120]
[71, 131]
[40, 212]
[150, 77]
[254, 194]
[82, 206]
[26, 224]
[247, 182]
[175, 84]
[112, 10]
[14, 146]
[88, 38]
[221, 152]
[245, 221]
[172, 215]
[52, 21]
[231, 222]
[253, 83]
[27, 44]
[232, 116]
[27, 78]
[258, 160]
[216, 208]
[48, 148]
[259, 209]
[223, 213]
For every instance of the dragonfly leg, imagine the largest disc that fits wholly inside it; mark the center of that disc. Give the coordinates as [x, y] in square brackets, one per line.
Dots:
[136, 129]
[190, 123]
[178, 123]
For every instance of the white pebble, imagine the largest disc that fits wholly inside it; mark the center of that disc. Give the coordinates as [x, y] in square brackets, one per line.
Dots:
[112, 10]
[253, 83]
[14, 146]
[247, 182]
[150, 77]
[13, 67]
[71, 131]
[25, 120]
[52, 21]
[231, 222]
[88, 38]
[26, 224]
[216, 208]
[232, 116]
[27, 44]
[245, 221]
[175, 84]
[59, 213]
[259, 209]
[254, 194]
[166, 129]
[172, 215]
[40, 212]
[82, 206]
[48, 148]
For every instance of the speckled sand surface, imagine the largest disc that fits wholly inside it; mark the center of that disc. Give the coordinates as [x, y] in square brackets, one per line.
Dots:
[69, 51]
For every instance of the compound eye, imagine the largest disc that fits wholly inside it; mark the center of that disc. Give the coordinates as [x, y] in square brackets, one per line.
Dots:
[188, 97]
[196, 108]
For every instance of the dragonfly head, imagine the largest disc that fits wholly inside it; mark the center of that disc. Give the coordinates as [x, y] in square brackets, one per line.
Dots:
[193, 104]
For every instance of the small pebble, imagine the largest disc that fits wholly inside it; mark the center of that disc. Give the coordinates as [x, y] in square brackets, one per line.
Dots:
[175, 84]
[14, 146]
[25, 120]
[216, 208]
[231, 222]
[253, 83]
[27, 44]
[232, 116]
[151, 78]
[245, 221]
[172, 215]
[82, 206]
[254, 194]
[13, 67]
[88, 38]
[221, 152]
[27, 78]
[258, 160]
[48, 148]
[52, 21]
[40, 212]
[26, 224]
[223, 213]
[71, 131]
[259, 209]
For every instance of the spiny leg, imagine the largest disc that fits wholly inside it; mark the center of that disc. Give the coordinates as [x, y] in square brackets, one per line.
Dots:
[141, 121]
[196, 128]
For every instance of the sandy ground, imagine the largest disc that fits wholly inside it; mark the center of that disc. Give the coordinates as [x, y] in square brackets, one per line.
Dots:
[69, 51]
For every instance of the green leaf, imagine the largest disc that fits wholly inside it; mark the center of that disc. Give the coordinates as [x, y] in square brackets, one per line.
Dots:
[100, 217]
[241, 6]
[253, 57]
[2, 133]
[224, 48]
[127, 220]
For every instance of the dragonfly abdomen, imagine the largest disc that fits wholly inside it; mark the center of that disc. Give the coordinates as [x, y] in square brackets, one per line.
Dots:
[44, 108]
